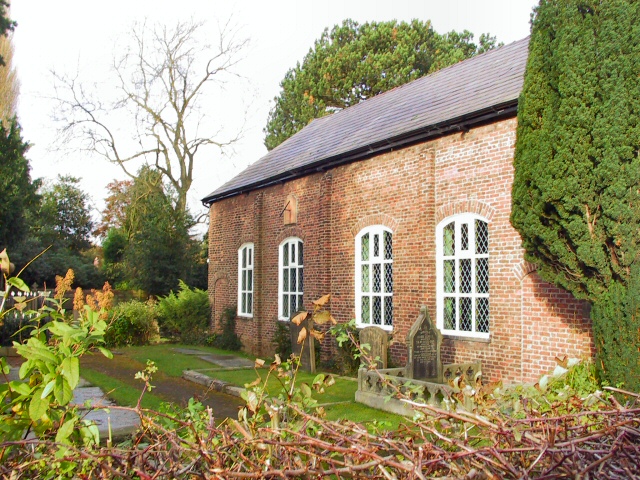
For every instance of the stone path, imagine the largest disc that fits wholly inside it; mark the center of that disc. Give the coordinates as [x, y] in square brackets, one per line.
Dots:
[224, 361]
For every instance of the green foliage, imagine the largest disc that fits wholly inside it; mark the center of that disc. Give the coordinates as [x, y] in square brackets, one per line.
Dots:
[575, 196]
[228, 339]
[616, 329]
[132, 323]
[160, 250]
[282, 339]
[346, 335]
[184, 315]
[17, 191]
[39, 403]
[353, 62]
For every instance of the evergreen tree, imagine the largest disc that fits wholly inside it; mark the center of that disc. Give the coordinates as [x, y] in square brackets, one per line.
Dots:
[354, 62]
[576, 199]
[17, 191]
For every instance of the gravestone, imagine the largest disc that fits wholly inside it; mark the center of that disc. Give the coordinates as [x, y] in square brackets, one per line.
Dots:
[378, 342]
[307, 354]
[423, 342]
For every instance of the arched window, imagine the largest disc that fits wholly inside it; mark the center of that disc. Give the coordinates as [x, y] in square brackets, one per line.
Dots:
[290, 278]
[374, 277]
[245, 280]
[462, 281]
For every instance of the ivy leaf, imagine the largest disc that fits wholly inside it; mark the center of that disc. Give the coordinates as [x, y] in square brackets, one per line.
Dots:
[71, 371]
[38, 405]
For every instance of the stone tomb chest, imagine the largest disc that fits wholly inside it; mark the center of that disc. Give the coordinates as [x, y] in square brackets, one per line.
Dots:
[424, 379]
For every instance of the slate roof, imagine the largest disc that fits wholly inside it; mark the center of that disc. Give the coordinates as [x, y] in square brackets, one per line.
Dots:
[478, 90]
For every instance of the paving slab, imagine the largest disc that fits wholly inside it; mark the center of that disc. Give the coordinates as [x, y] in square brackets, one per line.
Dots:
[104, 413]
[228, 361]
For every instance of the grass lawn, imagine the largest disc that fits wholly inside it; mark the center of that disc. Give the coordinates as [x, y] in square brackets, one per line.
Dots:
[121, 393]
[169, 361]
[339, 397]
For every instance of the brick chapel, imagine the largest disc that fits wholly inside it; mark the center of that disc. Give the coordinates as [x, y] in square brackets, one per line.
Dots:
[400, 201]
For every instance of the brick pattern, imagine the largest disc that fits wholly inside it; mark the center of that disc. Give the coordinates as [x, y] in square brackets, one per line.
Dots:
[410, 191]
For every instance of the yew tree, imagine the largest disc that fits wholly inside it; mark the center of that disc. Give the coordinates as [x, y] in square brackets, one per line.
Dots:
[576, 192]
[353, 62]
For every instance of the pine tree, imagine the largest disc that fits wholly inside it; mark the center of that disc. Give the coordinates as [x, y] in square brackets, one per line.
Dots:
[576, 198]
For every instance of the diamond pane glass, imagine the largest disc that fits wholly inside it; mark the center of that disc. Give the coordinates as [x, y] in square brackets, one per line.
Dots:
[285, 306]
[465, 314]
[285, 255]
[365, 247]
[300, 303]
[465, 275]
[285, 279]
[482, 315]
[300, 281]
[376, 277]
[388, 311]
[300, 252]
[449, 313]
[244, 257]
[464, 237]
[244, 281]
[449, 276]
[449, 239]
[292, 303]
[244, 302]
[292, 279]
[388, 277]
[376, 245]
[249, 303]
[250, 256]
[388, 246]
[482, 275]
[365, 278]
[249, 279]
[293, 253]
[482, 237]
[366, 313]
[377, 311]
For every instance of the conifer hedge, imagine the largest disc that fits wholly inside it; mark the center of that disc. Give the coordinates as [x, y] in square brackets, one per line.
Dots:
[576, 192]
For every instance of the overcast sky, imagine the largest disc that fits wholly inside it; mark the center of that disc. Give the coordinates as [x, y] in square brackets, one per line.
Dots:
[83, 36]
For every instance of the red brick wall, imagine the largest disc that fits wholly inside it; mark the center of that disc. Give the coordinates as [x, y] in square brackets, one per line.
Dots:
[410, 191]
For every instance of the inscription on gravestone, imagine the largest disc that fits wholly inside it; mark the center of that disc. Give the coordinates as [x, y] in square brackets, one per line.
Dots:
[307, 354]
[423, 342]
[378, 342]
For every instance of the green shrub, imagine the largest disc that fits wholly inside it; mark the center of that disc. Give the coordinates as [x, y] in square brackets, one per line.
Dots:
[228, 339]
[282, 340]
[132, 323]
[185, 315]
[616, 322]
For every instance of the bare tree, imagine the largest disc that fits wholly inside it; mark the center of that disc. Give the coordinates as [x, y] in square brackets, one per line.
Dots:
[159, 80]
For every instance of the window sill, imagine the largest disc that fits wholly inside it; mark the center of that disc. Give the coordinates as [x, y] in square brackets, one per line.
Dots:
[245, 317]
[462, 338]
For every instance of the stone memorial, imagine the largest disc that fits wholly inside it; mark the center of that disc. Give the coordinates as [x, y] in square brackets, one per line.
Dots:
[423, 342]
[378, 341]
[307, 354]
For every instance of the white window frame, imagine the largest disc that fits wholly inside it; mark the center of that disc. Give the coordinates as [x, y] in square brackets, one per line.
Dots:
[246, 269]
[468, 255]
[292, 244]
[386, 297]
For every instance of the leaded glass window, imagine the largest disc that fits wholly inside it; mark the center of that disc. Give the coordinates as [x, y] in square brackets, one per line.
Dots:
[291, 278]
[374, 277]
[463, 276]
[245, 280]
